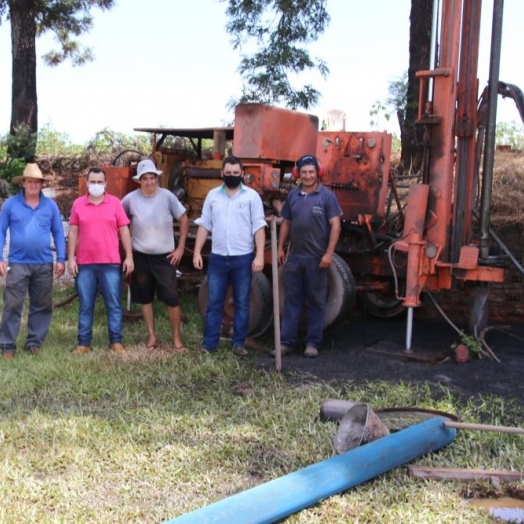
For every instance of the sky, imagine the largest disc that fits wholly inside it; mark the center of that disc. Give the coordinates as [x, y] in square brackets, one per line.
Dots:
[170, 63]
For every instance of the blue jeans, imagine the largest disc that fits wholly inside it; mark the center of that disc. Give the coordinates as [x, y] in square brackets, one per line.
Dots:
[304, 283]
[222, 271]
[107, 277]
[37, 279]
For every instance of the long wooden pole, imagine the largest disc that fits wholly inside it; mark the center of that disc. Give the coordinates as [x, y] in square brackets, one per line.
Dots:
[427, 472]
[484, 427]
[276, 293]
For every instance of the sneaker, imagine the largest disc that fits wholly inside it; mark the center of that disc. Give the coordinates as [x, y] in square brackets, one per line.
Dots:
[80, 350]
[311, 352]
[284, 350]
[118, 348]
[8, 354]
[240, 351]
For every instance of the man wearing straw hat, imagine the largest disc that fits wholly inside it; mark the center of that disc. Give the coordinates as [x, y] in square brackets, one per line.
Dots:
[31, 219]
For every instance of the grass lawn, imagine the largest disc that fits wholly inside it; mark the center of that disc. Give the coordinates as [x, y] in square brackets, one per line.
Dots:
[146, 437]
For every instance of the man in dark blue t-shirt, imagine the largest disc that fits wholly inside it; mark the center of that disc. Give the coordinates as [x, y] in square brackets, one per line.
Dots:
[311, 216]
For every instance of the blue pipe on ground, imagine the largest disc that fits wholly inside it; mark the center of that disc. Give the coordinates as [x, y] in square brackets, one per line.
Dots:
[281, 497]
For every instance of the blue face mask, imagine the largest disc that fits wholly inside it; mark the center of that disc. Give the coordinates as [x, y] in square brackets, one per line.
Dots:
[96, 190]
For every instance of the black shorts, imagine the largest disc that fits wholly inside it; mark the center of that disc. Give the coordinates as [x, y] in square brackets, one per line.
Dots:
[153, 273]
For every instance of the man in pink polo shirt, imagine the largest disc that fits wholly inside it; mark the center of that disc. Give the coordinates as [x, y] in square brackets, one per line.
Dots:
[97, 221]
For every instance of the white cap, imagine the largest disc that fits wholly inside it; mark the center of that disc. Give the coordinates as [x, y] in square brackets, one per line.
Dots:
[144, 167]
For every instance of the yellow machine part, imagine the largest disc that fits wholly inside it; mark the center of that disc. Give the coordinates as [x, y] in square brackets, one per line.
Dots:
[197, 189]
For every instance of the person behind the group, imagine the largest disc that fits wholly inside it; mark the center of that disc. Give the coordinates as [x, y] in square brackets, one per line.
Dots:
[31, 219]
[97, 222]
[311, 216]
[151, 210]
[234, 214]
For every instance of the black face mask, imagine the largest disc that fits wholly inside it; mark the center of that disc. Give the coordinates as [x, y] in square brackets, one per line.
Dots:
[232, 181]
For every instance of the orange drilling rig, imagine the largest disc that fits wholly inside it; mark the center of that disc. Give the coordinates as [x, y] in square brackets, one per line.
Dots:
[438, 240]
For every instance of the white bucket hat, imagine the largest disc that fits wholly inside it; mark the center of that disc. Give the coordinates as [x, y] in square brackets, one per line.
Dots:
[144, 167]
[31, 171]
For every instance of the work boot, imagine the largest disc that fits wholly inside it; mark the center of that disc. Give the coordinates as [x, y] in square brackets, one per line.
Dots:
[311, 352]
[205, 351]
[8, 354]
[80, 350]
[34, 350]
[240, 351]
[118, 348]
[284, 350]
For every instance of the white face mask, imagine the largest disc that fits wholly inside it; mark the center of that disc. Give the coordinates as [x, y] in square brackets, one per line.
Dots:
[96, 190]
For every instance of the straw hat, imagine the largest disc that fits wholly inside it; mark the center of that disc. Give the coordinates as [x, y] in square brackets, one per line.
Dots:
[31, 171]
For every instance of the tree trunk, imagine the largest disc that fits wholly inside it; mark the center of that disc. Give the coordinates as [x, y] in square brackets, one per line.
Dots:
[419, 59]
[24, 104]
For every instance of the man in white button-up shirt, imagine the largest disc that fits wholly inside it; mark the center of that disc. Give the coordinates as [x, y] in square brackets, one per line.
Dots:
[234, 214]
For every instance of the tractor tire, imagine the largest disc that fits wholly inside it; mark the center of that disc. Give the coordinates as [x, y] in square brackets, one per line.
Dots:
[261, 287]
[340, 294]
[341, 291]
[384, 305]
[260, 306]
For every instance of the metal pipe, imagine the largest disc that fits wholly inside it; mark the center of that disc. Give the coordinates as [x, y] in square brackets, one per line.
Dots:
[275, 500]
[489, 149]
[409, 329]
[503, 246]
[506, 250]
[433, 52]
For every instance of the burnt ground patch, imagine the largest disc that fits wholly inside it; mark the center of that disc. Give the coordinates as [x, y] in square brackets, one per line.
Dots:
[345, 356]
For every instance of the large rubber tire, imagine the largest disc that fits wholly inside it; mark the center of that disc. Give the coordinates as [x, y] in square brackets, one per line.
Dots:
[341, 291]
[340, 294]
[382, 305]
[260, 306]
[262, 288]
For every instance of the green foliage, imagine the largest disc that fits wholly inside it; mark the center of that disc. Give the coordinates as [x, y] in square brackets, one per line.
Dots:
[395, 103]
[472, 343]
[67, 19]
[398, 94]
[13, 167]
[55, 143]
[21, 144]
[279, 30]
[108, 141]
[510, 134]
[378, 112]
[49, 142]
[15, 151]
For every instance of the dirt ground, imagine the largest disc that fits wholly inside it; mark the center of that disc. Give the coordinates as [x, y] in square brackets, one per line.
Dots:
[367, 349]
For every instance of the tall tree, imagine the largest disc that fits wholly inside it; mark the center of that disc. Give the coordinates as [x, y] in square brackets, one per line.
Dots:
[280, 30]
[29, 19]
[419, 59]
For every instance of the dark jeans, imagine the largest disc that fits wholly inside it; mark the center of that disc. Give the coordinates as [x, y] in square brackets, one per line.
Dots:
[221, 272]
[38, 280]
[107, 277]
[304, 282]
